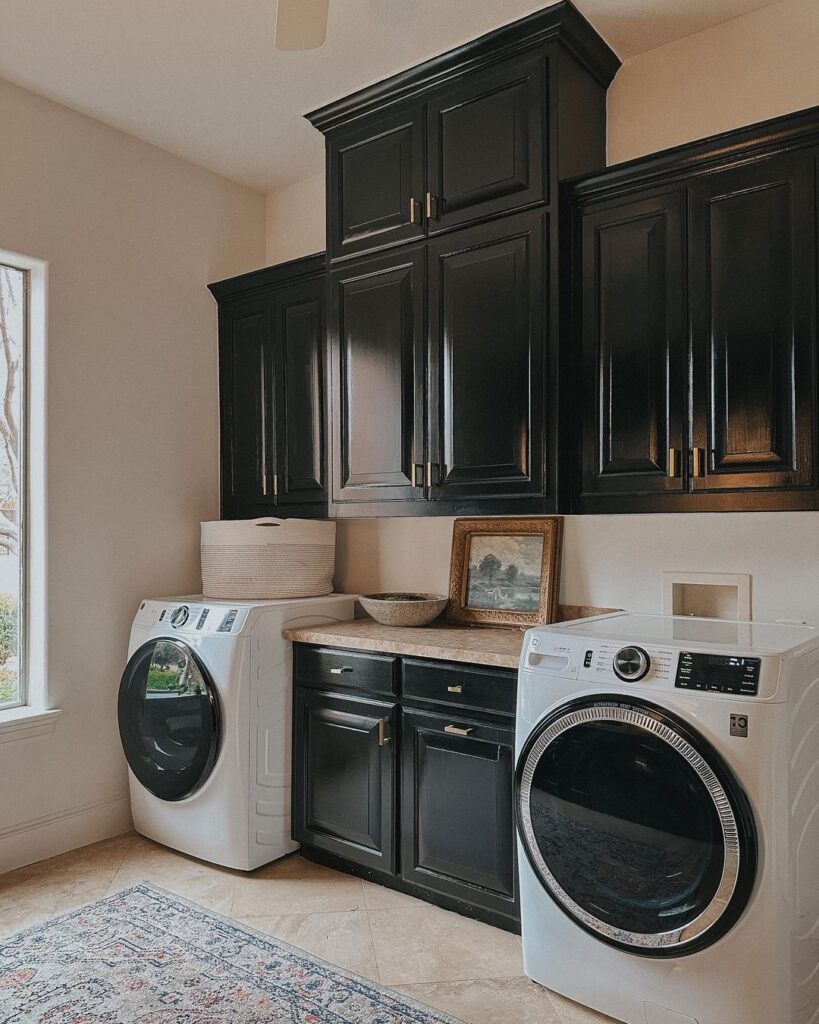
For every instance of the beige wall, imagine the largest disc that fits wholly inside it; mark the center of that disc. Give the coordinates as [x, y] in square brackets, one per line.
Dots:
[748, 69]
[741, 71]
[131, 235]
[295, 220]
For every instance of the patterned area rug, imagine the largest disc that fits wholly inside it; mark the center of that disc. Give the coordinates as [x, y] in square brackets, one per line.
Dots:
[145, 956]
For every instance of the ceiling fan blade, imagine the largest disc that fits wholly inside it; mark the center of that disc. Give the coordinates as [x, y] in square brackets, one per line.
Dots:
[301, 24]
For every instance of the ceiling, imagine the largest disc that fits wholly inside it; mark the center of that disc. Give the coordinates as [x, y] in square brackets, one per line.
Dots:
[201, 79]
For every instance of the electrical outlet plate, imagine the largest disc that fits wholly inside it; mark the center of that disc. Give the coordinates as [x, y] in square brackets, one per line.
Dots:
[711, 595]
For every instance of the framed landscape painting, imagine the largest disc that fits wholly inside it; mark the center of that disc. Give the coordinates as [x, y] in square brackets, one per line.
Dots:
[505, 572]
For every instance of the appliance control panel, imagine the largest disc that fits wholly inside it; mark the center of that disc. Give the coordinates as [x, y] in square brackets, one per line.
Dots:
[222, 619]
[621, 664]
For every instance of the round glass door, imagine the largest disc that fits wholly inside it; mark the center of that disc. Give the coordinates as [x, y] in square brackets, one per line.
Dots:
[635, 826]
[168, 718]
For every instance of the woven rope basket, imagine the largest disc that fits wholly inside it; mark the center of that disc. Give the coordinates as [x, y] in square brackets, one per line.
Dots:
[268, 558]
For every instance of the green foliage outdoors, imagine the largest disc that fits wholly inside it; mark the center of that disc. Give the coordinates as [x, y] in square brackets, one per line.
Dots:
[162, 679]
[8, 627]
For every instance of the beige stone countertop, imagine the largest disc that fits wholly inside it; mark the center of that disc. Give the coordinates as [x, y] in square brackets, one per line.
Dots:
[498, 646]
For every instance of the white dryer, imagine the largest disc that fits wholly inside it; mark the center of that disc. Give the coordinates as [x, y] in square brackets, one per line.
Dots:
[204, 709]
[667, 802]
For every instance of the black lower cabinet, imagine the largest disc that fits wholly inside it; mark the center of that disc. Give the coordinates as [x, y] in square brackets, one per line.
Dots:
[457, 830]
[344, 777]
[413, 790]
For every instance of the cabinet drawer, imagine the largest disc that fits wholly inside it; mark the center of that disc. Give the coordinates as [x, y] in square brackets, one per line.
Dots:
[463, 686]
[322, 666]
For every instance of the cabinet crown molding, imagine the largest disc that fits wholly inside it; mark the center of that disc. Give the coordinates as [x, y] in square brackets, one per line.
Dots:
[746, 144]
[301, 269]
[561, 23]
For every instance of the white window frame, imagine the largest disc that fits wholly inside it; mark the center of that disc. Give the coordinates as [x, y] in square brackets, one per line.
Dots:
[33, 716]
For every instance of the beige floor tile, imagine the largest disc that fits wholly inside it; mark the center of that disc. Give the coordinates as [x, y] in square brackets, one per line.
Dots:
[573, 1013]
[379, 897]
[494, 1001]
[425, 944]
[39, 891]
[341, 938]
[202, 883]
[294, 885]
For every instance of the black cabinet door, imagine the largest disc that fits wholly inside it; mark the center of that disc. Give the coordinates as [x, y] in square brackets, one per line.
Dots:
[485, 152]
[634, 347]
[375, 178]
[376, 318]
[344, 777]
[246, 402]
[753, 279]
[299, 358]
[487, 288]
[457, 831]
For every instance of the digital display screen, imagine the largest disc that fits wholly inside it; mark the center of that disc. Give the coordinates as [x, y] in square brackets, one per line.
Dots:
[719, 673]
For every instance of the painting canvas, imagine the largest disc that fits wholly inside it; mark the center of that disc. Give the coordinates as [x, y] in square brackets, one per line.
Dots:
[505, 571]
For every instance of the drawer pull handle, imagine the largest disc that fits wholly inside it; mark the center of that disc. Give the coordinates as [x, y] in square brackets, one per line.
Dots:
[457, 688]
[383, 738]
[457, 730]
[340, 671]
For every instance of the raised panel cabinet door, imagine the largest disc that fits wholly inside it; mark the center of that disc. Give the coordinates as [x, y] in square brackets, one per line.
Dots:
[457, 830]
[377, 317]
[247, 405]
[299, 354]
[487, 341]
[485, 150]
[634, 347]
[344, 777]
[376, 183]
[753, 273]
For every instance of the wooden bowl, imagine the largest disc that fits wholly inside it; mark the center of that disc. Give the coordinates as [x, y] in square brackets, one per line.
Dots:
[404, 609]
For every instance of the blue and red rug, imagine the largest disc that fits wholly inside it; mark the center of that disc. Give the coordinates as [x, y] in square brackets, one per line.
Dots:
[145, 956]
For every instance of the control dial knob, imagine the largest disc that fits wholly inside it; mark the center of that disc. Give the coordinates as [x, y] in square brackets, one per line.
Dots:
[179, 616]
[631, 664]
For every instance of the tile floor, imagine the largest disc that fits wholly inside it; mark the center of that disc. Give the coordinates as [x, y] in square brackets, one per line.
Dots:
[465, 968]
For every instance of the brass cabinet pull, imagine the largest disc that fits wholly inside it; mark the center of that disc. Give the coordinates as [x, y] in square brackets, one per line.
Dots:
[429, 474]
[275, 485]
[414, 211]
[458, 688]
[340, 671]
[432, 203]
[673, 462]
[383, 738]
[264, 483]
[698, 461]
[458, 730]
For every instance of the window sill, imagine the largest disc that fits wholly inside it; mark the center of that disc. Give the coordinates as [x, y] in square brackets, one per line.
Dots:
[25, 723]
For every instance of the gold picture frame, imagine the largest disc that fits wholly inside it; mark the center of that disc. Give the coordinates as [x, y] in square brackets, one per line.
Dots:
[505, 572]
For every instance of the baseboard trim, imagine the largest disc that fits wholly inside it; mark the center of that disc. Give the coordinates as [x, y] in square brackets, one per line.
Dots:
[52, 834]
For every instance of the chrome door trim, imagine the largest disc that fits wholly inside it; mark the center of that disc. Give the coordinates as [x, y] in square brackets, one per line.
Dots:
[730, 832]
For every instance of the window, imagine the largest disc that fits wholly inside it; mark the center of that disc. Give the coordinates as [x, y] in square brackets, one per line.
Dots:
[14, 321]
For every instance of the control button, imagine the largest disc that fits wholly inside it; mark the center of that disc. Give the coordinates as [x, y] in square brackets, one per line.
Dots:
[202, 618]
[631, 664]
[587, 660]
[179, 616]
[226, 625]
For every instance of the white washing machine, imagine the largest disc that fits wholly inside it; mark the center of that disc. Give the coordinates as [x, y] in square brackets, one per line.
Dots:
[667, 803]
[204, 709]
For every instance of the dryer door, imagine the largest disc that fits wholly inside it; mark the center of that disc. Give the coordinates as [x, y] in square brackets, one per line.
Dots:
[635, 826]
[168, 718]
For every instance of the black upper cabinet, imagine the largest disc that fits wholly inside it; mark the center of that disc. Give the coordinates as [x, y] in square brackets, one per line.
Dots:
[375, 178]
[485, 144]
[697, 277]
[271, 384]
[468, 135]
[376, 346]
[753, 243]
[634, 347]
[246, 383]
[486, 346]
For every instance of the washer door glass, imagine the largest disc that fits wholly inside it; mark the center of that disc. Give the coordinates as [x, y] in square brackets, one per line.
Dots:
[635, 826]
[168, 718]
